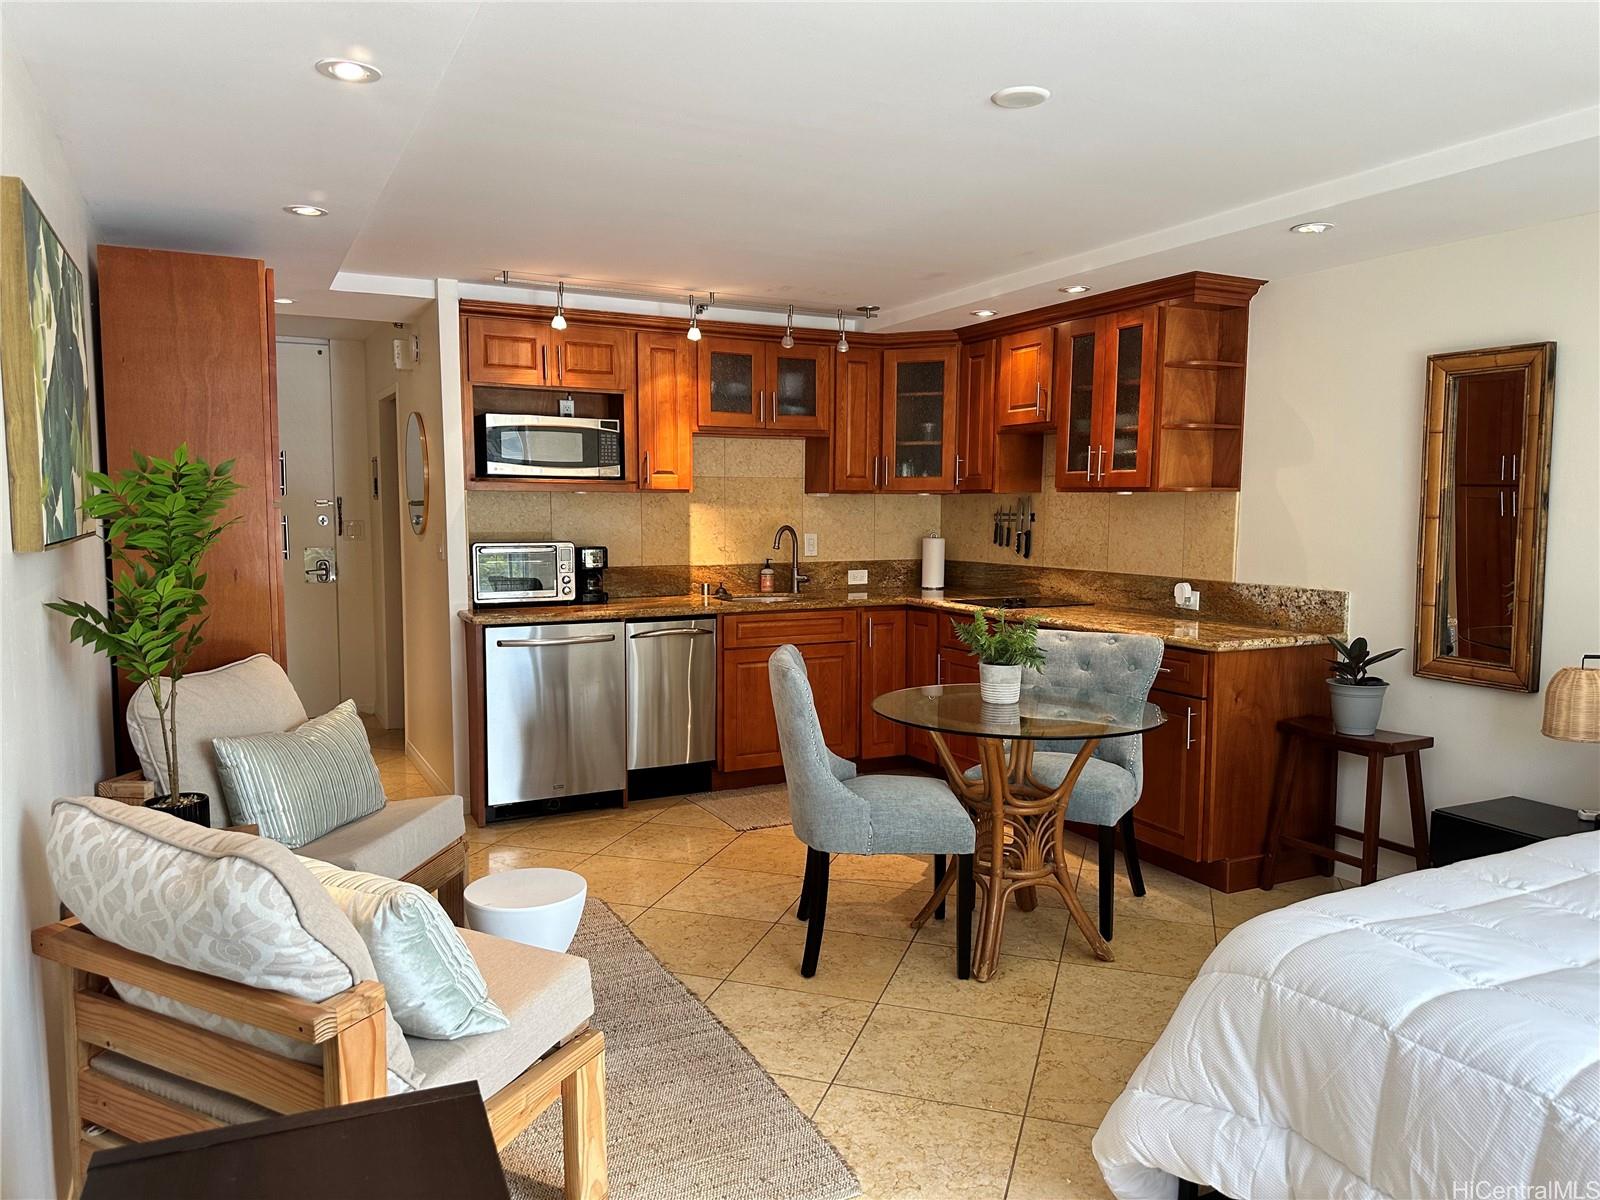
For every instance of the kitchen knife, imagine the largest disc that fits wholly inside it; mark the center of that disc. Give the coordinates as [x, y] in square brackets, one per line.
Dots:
[997, 531]
[1023, 506]
[1027, 534]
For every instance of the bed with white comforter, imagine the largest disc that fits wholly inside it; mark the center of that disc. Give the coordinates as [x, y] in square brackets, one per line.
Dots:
[1434, 1034]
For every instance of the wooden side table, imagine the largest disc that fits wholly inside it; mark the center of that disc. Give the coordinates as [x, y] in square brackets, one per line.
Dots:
[1293, 736]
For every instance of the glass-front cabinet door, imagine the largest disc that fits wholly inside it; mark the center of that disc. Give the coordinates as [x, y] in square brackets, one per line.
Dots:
[800, 388]
[733, 383]
[919, 421]
[1125, 440]
[1078, 368]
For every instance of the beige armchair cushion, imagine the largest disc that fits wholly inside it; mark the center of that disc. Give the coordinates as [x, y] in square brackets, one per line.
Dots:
[250, 696]
[395, 840]
[229, 905]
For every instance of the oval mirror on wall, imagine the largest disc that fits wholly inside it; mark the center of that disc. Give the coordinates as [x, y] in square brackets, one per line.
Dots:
[417, 474]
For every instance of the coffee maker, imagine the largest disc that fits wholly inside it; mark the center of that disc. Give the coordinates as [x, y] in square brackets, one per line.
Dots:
[591, 575]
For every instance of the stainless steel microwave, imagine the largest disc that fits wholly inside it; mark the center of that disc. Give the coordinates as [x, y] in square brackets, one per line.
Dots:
[539, 447]
[524, 572]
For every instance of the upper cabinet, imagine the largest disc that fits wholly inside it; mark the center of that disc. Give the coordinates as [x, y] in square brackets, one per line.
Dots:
[751, 385]
[523, 352]
[985, 460]
[1152, 398]
[919, 421]
[851, 459]
[668, 385]
[1023, 400]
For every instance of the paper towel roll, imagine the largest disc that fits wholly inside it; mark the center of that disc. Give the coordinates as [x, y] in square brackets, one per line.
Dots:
[933, 563]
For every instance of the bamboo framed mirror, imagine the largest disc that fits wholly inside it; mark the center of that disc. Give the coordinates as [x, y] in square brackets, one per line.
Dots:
[1485, 503]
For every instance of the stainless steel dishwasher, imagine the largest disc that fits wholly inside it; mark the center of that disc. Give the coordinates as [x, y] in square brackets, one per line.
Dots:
[555, 711]
[672, 692]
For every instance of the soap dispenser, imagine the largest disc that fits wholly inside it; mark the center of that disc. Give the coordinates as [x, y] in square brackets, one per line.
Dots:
[769, 577]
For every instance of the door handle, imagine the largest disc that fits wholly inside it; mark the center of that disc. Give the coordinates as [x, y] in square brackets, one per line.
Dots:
[655, 633]
[958, 468]
[535, 643]
[544, 367]
[1188, 728]
[1502, 468]
[561, 366]
[321, 573]
[1038, 389]
[644, 475]
[1502, 503]
[283, 475]
[1514, 458]
[869, 633]
[874, 470]
[283, 526]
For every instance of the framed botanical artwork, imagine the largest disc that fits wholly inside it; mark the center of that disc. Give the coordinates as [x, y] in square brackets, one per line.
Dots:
[44, 353]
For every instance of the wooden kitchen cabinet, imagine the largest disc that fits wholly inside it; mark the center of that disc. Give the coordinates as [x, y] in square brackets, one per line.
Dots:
[507, 351]
[1171, 806]
[668, 373]
[922, 669]
[525, 352]
[750, 385]
[1106, 374]
[850, 458]
[958, 666]
[919, 420]
[986, 461]
[594, 357]
[1023, 399]
[883, 669]
[747, 726]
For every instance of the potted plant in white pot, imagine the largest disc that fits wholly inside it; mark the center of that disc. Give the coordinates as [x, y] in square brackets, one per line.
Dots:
[159, 519]
[1003, 651]
[1357, 696]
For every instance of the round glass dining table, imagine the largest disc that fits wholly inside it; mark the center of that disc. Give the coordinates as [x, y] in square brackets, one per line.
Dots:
[1021, 822]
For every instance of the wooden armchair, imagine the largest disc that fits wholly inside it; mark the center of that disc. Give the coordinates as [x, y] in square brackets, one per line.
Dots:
[349, 1027]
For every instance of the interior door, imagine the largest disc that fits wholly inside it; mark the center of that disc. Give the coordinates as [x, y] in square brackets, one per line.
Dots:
[310, 521]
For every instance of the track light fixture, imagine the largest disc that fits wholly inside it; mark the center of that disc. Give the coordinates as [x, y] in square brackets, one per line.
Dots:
[559, 321]
[844, 343]
[788, 331]
[694, 321]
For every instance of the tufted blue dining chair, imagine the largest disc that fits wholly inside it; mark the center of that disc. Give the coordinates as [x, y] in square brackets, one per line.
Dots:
[1119, 664]
[836, 812]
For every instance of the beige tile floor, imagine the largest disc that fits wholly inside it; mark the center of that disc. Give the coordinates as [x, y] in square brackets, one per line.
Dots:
[931, 1087]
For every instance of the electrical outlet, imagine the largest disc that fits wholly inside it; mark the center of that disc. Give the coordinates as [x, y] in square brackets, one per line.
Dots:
[811, 545]
[1191, 602]
[855, 577]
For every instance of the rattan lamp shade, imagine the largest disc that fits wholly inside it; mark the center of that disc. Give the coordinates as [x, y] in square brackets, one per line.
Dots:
[1572, 704]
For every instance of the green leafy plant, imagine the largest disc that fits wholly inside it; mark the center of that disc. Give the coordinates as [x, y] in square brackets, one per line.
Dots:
[158, 519]
[1351, 665]
[1002, 645]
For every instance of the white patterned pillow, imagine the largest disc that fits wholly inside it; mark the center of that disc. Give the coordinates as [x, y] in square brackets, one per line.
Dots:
[225, 904]
[301, 784]
[429, 976]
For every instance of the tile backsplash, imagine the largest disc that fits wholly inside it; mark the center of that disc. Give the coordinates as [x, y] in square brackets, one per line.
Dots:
[744, 488]
[1182, 534]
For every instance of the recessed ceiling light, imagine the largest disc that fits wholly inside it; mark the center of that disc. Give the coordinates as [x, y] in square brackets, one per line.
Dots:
[1025, 95]
[1312, 227]
[348, 70]
[305, 210]
[282, 300]
[983, 312]
[1075, 289]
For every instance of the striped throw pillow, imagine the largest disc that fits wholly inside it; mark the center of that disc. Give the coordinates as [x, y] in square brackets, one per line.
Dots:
[430, 979]
[302, 784]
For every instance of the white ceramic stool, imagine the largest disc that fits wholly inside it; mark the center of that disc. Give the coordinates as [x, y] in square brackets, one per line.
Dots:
[537, 906]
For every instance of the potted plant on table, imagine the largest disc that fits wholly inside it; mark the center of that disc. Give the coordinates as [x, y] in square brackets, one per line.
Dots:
[1357, 696]
[158, 519]
[1003, 651]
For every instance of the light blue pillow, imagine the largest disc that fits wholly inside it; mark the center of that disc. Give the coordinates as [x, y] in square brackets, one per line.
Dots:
[299, 785]
[432, 984]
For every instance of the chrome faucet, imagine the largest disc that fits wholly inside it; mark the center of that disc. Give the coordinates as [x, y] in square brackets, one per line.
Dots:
[796, 579]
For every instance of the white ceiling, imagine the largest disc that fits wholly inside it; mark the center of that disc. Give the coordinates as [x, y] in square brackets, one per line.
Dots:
[824, 154]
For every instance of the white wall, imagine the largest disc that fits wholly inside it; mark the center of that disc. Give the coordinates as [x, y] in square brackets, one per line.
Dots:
[1332, 471]
[55, 718]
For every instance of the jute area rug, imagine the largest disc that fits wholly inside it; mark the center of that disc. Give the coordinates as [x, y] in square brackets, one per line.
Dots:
[690, 1115]
[764, 807]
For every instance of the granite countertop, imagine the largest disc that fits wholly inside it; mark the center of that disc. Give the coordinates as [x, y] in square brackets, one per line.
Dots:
[1192, 635]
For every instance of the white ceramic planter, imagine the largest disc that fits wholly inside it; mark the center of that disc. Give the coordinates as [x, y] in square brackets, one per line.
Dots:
[1356, 708]
[999, 685]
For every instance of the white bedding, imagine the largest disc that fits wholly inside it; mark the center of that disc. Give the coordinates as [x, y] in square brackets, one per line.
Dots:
[1435, 1034]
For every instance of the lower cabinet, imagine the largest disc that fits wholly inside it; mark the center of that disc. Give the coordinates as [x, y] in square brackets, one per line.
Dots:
[1169, 810]
[958, 666]
[883, 669]
[747, 729]
[922, 669]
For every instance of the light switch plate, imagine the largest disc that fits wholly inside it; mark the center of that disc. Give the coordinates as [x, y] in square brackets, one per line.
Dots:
[811, 545]
[854, 577]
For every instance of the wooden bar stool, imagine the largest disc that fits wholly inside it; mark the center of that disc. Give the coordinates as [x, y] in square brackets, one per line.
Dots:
[1376, 748]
